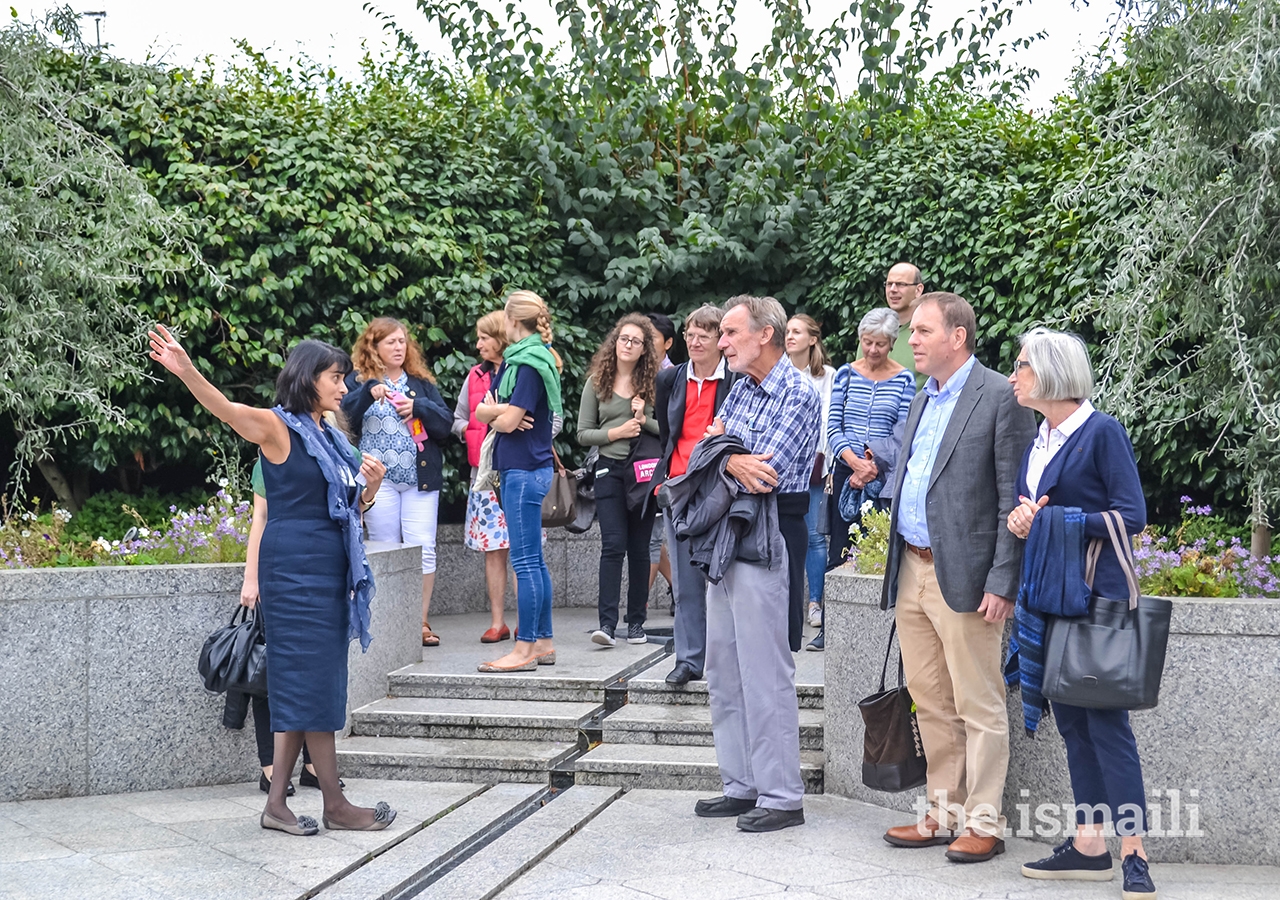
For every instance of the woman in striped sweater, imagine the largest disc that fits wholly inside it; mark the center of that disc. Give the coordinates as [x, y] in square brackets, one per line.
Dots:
[869, 404]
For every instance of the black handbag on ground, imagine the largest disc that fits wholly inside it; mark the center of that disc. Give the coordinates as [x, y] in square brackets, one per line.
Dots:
[234, 657]
[892, 752]
[1113, 657]
[558, 505]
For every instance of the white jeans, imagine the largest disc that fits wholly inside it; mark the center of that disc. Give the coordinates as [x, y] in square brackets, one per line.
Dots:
[402, 514]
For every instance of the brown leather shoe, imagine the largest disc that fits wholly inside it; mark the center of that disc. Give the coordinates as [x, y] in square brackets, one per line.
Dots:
[925, 833]
[972, 846]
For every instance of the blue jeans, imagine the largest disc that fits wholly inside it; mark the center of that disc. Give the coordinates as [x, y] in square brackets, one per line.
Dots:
[815, 559]
[522, 493]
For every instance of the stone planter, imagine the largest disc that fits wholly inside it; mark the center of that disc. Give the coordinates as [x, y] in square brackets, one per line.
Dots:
[98, 685]
[1209, 750]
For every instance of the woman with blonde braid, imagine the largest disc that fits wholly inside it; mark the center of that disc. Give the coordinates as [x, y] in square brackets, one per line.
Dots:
[520, 409]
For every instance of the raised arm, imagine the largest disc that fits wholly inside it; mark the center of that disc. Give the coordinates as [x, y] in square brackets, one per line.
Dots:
[258, 426]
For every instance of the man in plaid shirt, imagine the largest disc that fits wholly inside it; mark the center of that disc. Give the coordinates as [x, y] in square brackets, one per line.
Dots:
[753, 621]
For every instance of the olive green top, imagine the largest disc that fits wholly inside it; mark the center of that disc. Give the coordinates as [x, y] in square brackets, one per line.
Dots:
[595, 419]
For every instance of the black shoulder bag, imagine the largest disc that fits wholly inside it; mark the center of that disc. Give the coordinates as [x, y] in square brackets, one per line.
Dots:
[892, 752]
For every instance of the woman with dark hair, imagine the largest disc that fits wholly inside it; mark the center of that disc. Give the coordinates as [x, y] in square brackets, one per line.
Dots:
[397, 414]
[520, 409]
[616, 409]
[313, 576]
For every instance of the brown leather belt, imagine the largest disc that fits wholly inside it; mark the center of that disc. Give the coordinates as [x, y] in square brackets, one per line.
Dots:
[923, 552]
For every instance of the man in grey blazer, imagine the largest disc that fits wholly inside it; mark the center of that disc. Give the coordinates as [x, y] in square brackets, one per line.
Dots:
[952, 573]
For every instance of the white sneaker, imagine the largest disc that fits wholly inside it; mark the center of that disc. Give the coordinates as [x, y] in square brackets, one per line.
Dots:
[815, 615]
[603, 636]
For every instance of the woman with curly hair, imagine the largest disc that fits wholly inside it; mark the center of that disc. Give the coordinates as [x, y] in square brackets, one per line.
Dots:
[616, 410]
[397, 415]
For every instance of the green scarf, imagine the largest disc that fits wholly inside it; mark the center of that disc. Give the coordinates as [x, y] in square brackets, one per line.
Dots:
[531, 351]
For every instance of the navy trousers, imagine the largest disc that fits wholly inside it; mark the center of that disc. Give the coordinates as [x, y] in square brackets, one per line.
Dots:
[1106, 774]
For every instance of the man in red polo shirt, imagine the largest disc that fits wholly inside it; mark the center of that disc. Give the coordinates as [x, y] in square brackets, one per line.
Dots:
[688, 397]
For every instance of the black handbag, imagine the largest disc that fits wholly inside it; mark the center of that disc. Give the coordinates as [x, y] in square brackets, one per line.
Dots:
[234, 656]
[585, 503]
[892, 752]
[1113, 657]
[823, 525]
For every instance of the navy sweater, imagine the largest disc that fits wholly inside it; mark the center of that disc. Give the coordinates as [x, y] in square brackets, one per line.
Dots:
[1096, 471]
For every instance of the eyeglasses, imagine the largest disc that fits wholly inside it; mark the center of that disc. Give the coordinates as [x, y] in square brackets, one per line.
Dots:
[627, 341]
[1020, 364]
[900, 285]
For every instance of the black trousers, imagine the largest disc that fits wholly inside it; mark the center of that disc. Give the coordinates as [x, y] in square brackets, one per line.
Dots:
[623, 533]
[792, 508]
[265, 737]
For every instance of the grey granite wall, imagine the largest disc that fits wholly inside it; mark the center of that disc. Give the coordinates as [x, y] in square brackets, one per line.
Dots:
[1211, 749]
[574, 561]
[98, 685]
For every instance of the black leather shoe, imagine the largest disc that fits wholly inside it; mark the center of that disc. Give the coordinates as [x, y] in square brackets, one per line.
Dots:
[764, 819]
[264, 785]
[306, 779]
[682, 674]
[723, 807]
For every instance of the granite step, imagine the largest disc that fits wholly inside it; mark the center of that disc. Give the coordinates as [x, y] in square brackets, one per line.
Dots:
[452, 759]
[666, 767]
[411, 863]
[651, 687]
[498, 865]
[500, 720]
[689, 726]
[546, 684]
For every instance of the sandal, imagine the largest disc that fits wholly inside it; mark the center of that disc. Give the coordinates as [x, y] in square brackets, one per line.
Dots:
[429, 637]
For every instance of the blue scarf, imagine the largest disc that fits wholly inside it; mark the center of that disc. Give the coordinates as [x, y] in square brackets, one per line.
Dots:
[1052, 585]
[322, 445]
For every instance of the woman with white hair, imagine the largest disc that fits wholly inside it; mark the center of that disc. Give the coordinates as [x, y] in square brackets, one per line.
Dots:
[869, 399]
[1083, 458]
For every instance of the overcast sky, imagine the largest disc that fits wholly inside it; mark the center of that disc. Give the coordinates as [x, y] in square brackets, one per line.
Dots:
[181, 31]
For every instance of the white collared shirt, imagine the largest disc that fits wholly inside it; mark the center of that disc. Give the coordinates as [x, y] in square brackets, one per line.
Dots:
[1049, 441]
[717, 375]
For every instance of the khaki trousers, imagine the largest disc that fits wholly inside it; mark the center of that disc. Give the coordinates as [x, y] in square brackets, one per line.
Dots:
[952, 664]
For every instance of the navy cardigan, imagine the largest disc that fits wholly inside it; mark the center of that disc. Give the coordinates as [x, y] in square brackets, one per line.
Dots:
[428, 406]
[1095, 470]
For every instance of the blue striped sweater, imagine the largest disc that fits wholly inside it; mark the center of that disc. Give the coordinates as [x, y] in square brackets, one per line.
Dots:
[863, 410]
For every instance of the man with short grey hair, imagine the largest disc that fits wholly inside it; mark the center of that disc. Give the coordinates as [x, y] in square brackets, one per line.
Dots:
[750, 670]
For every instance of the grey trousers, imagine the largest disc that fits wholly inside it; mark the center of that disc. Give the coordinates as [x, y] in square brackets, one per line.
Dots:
[751, 677]
[689, 587]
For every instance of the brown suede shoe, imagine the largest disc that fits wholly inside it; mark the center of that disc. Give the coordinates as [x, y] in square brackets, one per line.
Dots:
[974, 847]
[925, 833]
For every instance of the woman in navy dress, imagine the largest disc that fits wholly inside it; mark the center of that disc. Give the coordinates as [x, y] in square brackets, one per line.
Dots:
[313, 578]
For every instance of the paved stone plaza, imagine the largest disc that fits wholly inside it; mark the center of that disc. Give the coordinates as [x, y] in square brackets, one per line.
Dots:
[577, 781]
[588, 843]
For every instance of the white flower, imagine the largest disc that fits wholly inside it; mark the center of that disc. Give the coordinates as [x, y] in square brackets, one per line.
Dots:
[102, 544]
[26, 533]
[223, 482]
[867, 507]
[62, 515]
[115, 543]
[144, 532]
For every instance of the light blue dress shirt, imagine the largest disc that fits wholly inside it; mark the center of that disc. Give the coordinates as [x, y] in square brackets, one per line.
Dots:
[913, 523]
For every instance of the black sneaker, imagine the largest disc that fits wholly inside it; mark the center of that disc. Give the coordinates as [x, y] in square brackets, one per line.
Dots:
[603, 635]
[636, 635]
[1069, 864]
[1137, 879]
